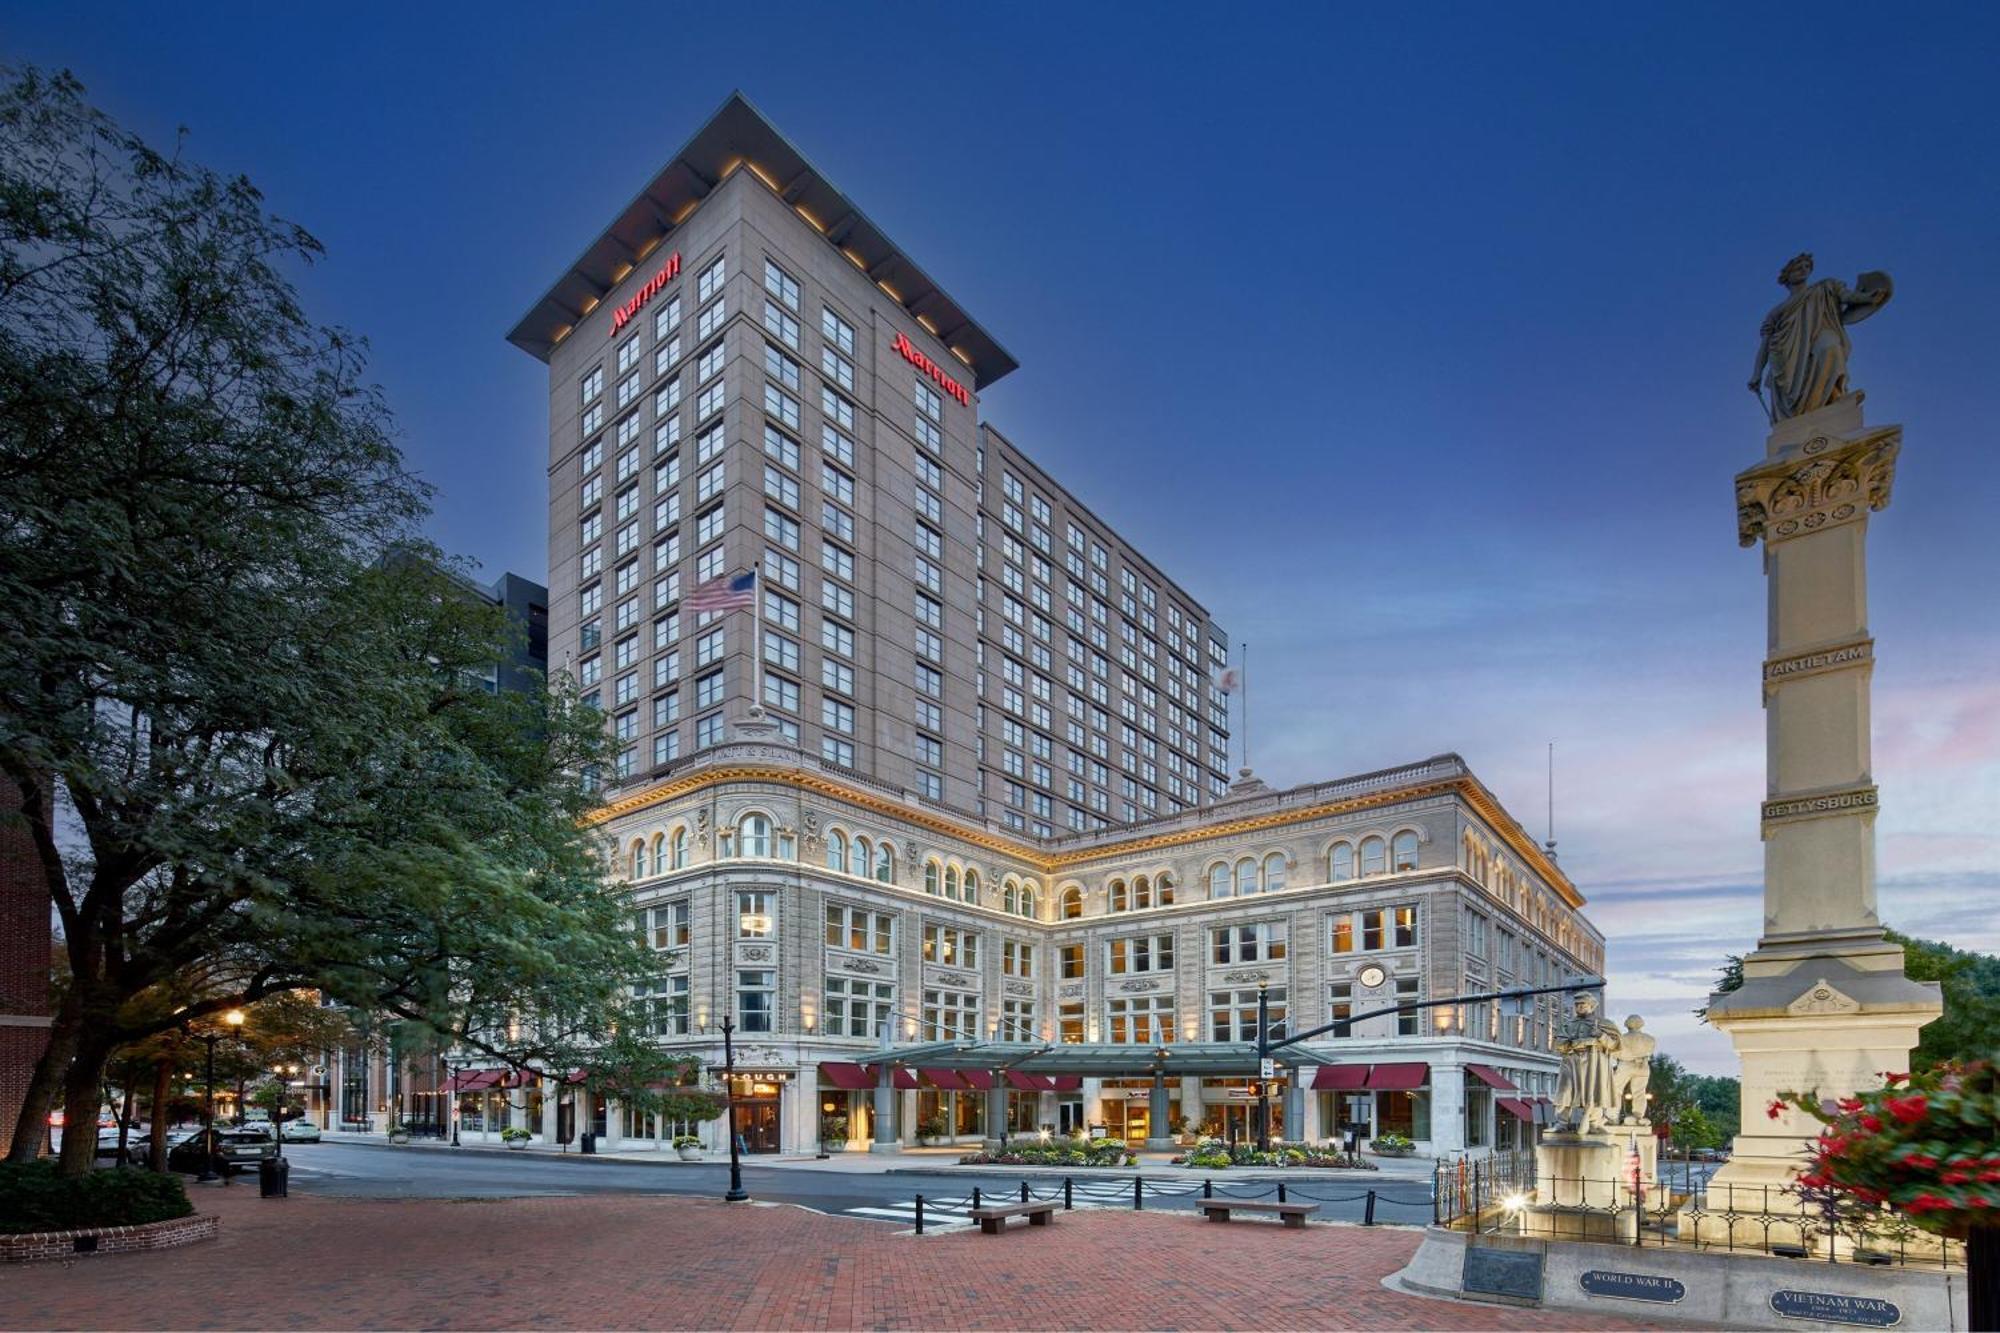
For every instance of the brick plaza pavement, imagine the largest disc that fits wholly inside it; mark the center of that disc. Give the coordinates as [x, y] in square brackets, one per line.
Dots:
[625, 1261]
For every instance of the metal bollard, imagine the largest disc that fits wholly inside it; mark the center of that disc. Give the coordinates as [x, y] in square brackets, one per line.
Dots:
[975, 1196]
[1068, 1199]
[1208, 1189]
[1024, 1191]
[1368, 1210]
[920, 1214]
[1138, 1194]
[1281, 1191]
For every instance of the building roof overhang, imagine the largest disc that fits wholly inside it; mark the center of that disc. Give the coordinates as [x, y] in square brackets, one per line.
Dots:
[737, 136]
[1095, 1059]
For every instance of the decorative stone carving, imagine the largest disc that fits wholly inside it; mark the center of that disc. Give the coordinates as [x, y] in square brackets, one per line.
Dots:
[956, 980]
[859, 965]
[1020, 988]
[1136, 986]
[1632, 1072]
[1072, 991]
[1822, 998]
[1241, 976]
[1803, 347]
[1789, 497]
[701, 828]
[756, 953]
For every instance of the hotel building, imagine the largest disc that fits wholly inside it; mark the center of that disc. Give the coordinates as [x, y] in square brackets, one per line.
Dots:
[944, 823]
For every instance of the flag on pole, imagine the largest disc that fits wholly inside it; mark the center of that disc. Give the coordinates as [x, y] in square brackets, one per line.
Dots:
[1228, 679]
[730, 592]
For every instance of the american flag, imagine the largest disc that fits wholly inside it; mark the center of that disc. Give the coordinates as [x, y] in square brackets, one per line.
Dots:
[731, 592]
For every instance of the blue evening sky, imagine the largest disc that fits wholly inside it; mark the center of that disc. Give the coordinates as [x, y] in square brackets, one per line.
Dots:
[1413, 340]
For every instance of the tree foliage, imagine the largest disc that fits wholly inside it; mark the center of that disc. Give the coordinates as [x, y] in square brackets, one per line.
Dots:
[253, 756]
[1969, 1029]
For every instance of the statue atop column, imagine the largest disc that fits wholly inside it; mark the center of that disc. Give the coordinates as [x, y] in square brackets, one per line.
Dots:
[1633, 1071]
[1584, 1099]
[1803, 347]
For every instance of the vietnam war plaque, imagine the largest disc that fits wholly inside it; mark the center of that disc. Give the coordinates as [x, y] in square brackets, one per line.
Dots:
[1834, 1308]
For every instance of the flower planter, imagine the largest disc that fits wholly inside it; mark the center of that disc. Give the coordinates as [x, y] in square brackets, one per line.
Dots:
[516, 1145]
[399, 1136]
[689, 1154]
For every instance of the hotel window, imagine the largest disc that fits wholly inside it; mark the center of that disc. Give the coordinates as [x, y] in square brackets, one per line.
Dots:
[711, 400]
[781, 405]
[1341, 937]
[836, 330]
[708, 690]
[836, 598]
[781, 569]
[711, 278]
[710, 320]
[663, 1006]
[950, 1015]
[836, 408]
[929, 575]
[756, 914]
[626, 690]
[837, 484]
[835, 445]
[628, 389]
[1340, 1006]
[1262, 942]
[1374, 856]
[929, 645]
[781, 528]
[754, 995]
[781, 487]
[928, 611]
[590, 529]
[836, 638]
[708, 731]
[669, 317]
[1340, 863]
[859, 1008]
[1017, 959]
[1069, 1023]
[1403, 851]
[781, 367]
[668, 924]
[781, 325]
[929, 402]
[1232, 1014]
[932, 508]
[1409, 1023]
[837, 752]
[1140, 953]
[780, 651]
[780, 692]
[593, 418]
[859, 929]
[709, 366]
[949, 946]
[836, 676]
[591, 456]
[930, 681]
[1146, 1020]
[929, 541]
[781, 284]
[666, 669]
[836, 367]
[1017, 1020]
[837, 716]
[669, 349]
[836, 521]
[781, 447]
[667, 710]
[836, 561]
[930, 750]
[592, 384]
[930, 785]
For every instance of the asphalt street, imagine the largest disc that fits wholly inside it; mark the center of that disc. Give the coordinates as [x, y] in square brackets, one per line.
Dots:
[380, 1172]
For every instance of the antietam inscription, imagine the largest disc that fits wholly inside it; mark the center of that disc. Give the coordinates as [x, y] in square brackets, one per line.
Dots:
[1806, 663]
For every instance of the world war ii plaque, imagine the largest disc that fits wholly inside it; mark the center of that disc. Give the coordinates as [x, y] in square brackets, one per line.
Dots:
[1632, 1286]
[1514, 1274]
[1833, 1308]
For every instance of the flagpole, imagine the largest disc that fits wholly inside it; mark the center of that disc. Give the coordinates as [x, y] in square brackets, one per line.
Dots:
[1244, 687]
[756, 641]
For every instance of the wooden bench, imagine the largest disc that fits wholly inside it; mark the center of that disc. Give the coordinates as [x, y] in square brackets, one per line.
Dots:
[993, 1217]
[1293, 1214]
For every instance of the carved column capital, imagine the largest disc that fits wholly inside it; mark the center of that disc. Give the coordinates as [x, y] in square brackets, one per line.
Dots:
[1827, 483]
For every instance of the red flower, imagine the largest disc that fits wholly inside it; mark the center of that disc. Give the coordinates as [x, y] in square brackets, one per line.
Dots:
[1922, 1161]
[1873, 1124]
[1909, 1110]
[1775, 1109]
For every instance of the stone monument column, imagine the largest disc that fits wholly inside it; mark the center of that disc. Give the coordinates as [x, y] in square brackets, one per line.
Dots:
[1824, 1004]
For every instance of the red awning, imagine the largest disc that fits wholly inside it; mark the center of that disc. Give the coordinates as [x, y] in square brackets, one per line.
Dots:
[851, 1077]
[1341, 1078]
[944, 1079]
[980, 1079]
[520, 1078]
[1026, 1082]
[1491, 1077]
[1066, 1082]
[471, 1080]
[1398, 1078]
[900, 1078]
[1519, 1109]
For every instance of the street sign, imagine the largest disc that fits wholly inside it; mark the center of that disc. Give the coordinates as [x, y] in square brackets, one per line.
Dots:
[1268, 1068]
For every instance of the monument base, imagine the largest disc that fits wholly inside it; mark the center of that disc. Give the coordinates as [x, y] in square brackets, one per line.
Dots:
[1594, 1186]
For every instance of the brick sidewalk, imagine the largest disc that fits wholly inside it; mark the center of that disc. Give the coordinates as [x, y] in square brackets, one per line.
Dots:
[658, 1262]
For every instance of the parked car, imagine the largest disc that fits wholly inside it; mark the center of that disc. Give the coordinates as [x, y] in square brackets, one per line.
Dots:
[137, 1143]
[242, 1147]
[300, 1131]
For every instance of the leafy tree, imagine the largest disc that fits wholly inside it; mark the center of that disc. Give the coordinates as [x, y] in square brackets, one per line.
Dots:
[247, 749]
[1970, 1026]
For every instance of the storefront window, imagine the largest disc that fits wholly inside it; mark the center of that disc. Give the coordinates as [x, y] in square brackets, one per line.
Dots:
[1478, 1112]
[1405, 1113]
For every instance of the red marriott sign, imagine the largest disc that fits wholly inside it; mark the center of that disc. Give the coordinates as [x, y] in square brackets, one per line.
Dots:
[668, 272]
[933, 369]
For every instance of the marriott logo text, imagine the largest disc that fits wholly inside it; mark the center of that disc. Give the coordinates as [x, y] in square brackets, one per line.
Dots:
[668, 272]
[931, 368]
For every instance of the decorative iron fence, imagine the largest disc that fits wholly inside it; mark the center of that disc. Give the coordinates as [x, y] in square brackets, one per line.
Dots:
[1497, 1196]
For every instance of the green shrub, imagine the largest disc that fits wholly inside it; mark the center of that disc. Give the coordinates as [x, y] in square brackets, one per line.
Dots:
[34, 1198]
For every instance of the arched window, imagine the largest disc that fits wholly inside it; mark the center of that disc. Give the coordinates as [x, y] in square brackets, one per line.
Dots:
[1274, 872]
[859, 853]
[1218, 880]
[1072, 903]
[659, 853]
[885, 863]
[1246, 877]
[951, 882]
[756, 835]
[1340, 862]
[1029, 907]
[638, 866]
[1403, 850]
[1010, 895]
[971, 885]
[1163, 887]
[1115, 891]
[1142, 892]
[1374, 856]
[680, 848]
[836, 850]
[931, 885]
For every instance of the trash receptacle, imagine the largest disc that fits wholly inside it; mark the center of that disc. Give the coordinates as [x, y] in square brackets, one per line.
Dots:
[587, 1143]
[274, 1176]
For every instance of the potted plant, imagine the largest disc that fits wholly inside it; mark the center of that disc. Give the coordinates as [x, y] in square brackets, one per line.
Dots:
[1394, 1145]
[833, 1133]
[515, 1137]
[1922, 1145]
[398, 1132]
[932, 1128]
[688, 1146]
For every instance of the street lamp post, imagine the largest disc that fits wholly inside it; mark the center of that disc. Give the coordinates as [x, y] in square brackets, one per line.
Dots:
[234, 1018]
[736, 1194]
[1263, 1063]
[451, 1084]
